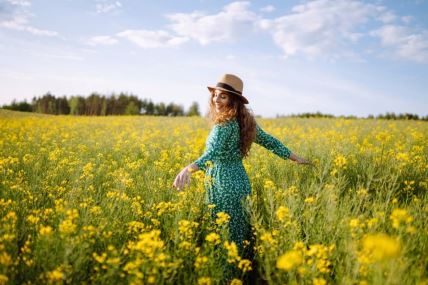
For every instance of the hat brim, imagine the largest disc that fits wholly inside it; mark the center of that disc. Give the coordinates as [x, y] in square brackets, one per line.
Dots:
[242, 98]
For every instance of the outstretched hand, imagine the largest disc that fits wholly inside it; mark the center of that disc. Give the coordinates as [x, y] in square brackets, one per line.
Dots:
[182, 180]
[301, 160]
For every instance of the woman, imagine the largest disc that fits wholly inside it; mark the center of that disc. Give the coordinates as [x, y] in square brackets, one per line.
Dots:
[228, 143]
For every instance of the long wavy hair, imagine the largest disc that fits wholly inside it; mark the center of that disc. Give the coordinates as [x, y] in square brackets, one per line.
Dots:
[245, 118]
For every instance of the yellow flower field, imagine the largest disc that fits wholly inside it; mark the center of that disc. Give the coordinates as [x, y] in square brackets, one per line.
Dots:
[89, 200]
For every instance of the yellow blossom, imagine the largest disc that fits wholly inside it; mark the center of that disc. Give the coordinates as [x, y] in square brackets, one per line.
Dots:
[319, 281]
[354, 223]
[398, 216]
[340, 161]
[55, 275]
[289, 260]
[151, 279]
[310, 200]
[232, 252]
[45, 230]
[185, 245]
[3, 279]
[298, 245]
[99, 258]
[213, 238]
[204, 281]
[5, 259]
[245, 265]
[200, 261]
[380, 246]
[372, 222]
[222, 218]
[269, 184]
[67, 227]
[362, 192]
[282, 213]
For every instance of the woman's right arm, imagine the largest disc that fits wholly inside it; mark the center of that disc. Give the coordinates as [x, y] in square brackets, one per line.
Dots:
[183, 178]
[219, 136]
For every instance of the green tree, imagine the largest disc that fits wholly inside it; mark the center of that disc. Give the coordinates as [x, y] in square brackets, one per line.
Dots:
[193, 110]
[132, 109]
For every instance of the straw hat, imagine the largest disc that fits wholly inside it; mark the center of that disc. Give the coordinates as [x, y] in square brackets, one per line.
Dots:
[231, 84]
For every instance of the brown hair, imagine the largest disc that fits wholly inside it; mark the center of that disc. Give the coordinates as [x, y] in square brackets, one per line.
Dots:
[245, 118]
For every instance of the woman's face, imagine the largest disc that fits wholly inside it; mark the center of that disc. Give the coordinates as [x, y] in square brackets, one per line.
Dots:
[220, 100]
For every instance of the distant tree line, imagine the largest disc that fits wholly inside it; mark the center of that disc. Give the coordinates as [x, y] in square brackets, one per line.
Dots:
[387, 116]
[100, 105]
[123, 104]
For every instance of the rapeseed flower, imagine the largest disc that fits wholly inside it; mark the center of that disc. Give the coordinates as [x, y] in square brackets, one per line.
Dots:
[232, 252]
[45, 230]
[310, 200]
[236, 282]
[380, 247]
[282, 213]
[213, 238]
[222, 218]
[204, 281]
[245, 265]
[289, 260]
[3, 279]
[399, 216]
[319, 281]
[55, 276]
[200, 261]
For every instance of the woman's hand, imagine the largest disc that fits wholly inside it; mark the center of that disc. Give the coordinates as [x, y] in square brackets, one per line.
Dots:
[300, 160]
[183, 178]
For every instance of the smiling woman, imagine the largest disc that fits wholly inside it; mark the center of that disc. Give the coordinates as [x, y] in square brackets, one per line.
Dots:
[230, 140]
[220, 99]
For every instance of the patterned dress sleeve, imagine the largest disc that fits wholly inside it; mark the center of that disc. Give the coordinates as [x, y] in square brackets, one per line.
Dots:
[271, 143]
[215, 144]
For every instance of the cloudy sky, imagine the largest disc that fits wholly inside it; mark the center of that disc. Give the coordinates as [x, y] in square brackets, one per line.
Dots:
[340, 57]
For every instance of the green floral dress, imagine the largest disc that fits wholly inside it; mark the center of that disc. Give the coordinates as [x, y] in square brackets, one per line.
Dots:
[226, 180]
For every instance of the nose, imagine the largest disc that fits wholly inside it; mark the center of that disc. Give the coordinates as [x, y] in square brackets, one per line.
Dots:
[217, 98]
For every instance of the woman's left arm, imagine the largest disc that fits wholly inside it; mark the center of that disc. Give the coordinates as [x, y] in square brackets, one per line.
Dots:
[276, 146]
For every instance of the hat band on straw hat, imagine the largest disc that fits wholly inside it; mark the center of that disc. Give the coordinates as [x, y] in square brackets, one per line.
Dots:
[228, 87]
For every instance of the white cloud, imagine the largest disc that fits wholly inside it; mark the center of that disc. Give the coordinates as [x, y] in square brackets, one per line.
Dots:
[105, 7]
[268, 9]
[102, 40]
[20, 23]
[229, 24]
[388, 17]
[403, 42]
[407, 19]
[16, 18]
[152, 39]
[323, 27]
[24, 3]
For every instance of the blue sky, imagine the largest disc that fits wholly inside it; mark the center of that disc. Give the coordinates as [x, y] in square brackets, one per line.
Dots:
[341, 57]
